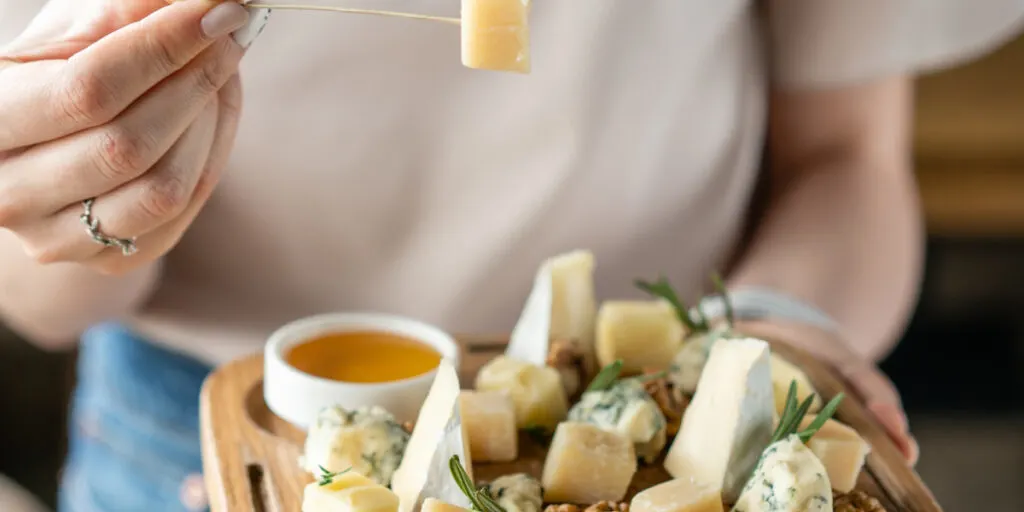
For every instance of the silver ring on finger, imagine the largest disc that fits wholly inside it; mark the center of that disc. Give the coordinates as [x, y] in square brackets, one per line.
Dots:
[92, 226]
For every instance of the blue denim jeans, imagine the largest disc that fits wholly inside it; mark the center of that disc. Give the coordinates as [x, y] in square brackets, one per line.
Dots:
[134, 428]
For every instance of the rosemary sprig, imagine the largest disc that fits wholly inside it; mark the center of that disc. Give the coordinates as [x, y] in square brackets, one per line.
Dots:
[327, 477]
[606, 377]
[730, 314]
[481, 499]
[663, 289]
[793, 414]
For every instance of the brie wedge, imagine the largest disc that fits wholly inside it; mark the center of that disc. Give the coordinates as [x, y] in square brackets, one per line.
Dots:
[560, 306]
[438, 434]
[729, 422]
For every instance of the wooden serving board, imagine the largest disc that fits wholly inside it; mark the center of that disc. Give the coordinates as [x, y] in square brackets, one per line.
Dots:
[250, 456]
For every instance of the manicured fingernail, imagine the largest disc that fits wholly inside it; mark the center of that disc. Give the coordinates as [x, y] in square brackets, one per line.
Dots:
[257, 22]
[224, 19]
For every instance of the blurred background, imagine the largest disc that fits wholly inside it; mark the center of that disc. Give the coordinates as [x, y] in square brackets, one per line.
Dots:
[960, 366]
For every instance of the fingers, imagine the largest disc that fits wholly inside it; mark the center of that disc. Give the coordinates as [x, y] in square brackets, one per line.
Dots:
[49, 177]
[883, 400]
[156, 243]
[134, 209]
[53, 99]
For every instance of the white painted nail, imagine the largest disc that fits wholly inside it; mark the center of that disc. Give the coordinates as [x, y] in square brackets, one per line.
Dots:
[257, 22]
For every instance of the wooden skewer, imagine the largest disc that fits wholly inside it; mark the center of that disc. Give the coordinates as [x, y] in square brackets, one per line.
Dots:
[442, 19]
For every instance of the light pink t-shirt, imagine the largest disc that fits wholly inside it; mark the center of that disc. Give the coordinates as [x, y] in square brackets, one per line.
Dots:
[374, 172]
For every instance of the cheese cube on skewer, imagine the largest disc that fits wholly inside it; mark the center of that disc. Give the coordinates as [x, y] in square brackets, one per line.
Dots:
[586, 464]
[678, 495]
[496, 35]
[490, 421]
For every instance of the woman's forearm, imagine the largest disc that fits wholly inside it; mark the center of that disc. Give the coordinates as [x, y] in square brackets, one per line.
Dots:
[52, 304]
[846, 237]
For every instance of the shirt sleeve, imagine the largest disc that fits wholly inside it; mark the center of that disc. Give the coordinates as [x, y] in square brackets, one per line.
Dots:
[823, 43]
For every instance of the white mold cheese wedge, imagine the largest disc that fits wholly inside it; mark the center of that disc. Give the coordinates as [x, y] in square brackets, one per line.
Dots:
[349, 492]
[783, 373]
[644, 334]
[729, 422]
[788, 478]
[560, 306]
[438, 434]
[678, 495]
[496, 35]
[841, 450]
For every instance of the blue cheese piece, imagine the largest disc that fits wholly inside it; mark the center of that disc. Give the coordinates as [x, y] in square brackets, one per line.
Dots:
[561, 305]
[688, 363]
[627, 409]
[369, 440]
[518, 492]
[729, 421]
[788, 478]
[438, 435]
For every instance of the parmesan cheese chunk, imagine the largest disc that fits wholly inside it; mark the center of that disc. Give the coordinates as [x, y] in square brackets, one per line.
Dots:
[490, 421]
[536, 391]
[643, 334]
[729, 422]
[437, 436]
[496, 35]
[586, 464]
[432, 505]
[783, 373]
[788, 478]
[350, 492]
[678, 495]
[841, 450]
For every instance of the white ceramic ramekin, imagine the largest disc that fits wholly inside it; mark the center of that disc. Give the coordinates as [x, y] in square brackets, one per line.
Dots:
[297, 397]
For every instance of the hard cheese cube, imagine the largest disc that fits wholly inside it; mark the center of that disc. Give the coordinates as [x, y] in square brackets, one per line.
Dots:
[841, 450]
[536, 391]
[679, 495]
[586, 464]
[350, 492]
[496, 35]
[433, 505]
[489, 418]
[783, 373]
[643, 334]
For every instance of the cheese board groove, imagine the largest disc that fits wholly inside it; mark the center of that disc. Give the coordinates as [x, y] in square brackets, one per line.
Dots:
[239, 431]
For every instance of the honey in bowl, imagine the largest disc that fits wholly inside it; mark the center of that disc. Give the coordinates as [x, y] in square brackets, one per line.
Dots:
[363, 357]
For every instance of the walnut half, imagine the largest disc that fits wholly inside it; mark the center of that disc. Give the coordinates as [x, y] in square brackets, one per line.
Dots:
[670, 400]
[855, 501]
[565, 356]
[601, 506]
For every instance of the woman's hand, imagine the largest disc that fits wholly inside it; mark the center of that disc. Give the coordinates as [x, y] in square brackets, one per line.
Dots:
[864, 378]
[134, 104]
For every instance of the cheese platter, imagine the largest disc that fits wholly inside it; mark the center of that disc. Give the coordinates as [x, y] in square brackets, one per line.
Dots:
[571, 413]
